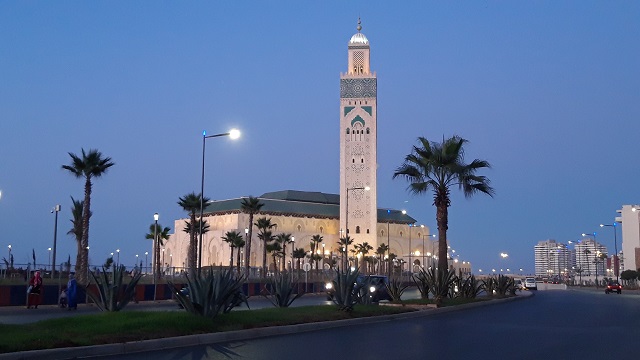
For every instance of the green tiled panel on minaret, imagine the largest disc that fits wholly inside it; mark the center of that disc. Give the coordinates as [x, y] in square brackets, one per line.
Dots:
[347, 109]
[368, 109]
[357, 119]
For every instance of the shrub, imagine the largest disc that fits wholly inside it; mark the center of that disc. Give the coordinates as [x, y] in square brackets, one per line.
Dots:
[344, 296]
[422, 283]
[280, 291]
[395, 288]
[112, 295]
[505, 285]
[212, 293]
[489, 285]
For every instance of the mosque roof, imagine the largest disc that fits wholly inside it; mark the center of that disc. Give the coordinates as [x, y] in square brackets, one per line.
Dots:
[303, 204]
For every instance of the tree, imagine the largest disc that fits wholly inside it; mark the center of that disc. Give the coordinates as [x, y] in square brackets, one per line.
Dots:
[76, 229]
[363, 249]
[233, 238]
[161, 235]
[299, 254]
[91, 165]
[437, 167]
[579, 270]
[380, 251]
[251, 206]
[283, 239]
[191, 204]
[343, 243]
[264, 226]
[315, 246]
[239, 243]
[275, 249]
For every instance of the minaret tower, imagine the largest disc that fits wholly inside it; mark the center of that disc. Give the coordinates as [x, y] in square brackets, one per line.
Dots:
[358, 143]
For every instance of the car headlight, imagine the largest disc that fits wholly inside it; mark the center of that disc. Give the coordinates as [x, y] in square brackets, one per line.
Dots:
[328, 286]
[372, 289]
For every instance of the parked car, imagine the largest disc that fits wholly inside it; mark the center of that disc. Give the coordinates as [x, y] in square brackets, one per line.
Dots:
[530, 284]
[613, 286]
[377, 287]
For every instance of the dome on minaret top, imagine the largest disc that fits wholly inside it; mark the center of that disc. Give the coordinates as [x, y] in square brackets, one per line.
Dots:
[359, 38]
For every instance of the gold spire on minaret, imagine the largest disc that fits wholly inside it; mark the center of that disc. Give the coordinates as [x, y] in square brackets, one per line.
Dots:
[359, 27]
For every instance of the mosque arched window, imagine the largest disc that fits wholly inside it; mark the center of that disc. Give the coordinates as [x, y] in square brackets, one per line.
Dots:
[368, 131]
[348, 131]
[357, 229]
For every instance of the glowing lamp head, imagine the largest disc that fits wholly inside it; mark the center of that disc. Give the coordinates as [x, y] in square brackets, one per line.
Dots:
[234, 134]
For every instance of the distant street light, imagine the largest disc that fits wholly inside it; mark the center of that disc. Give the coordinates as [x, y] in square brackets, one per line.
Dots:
[156, 255]
[146, 261]
[232, 134]
[118, 251]
[52, 267]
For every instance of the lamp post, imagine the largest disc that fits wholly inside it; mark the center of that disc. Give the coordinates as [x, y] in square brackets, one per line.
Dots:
[52, 266]
[616, 267]
[346, 220]
[118, 251]
[146, 262]
[293, 247]
[136, 264]
[56, 210]
[156, 248]
[233, 134]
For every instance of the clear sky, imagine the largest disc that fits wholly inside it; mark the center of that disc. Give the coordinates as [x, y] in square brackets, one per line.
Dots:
[546, 91]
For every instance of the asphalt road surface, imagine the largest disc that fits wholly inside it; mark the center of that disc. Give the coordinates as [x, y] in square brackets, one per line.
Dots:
[550, 325]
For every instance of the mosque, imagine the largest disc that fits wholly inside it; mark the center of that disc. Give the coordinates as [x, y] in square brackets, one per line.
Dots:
[304, 214]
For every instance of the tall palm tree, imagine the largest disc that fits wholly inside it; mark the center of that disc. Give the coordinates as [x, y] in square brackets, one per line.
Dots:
[315, 246]
[76, 229]
[438, 167]
[191, 204]
[579, 270]
[299, 254]
[380, 251]
[283, 239]
[161, 235]
[343, 244]
[264, 226]
[232, 238]
[251, 206]
[239, 243]
[363, 249]
[90, 165]
[275, 249]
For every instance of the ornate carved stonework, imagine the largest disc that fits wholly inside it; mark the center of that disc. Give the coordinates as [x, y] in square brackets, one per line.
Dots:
[358, 88]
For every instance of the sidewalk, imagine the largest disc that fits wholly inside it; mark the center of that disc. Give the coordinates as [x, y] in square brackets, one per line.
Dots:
[212, 338]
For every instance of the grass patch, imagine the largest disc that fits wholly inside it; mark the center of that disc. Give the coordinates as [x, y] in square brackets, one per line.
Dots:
[118, 327]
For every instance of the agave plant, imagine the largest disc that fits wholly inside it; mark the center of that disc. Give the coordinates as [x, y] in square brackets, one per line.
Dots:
[396, 288]
[504, 285]
[490, 285]
[112, 295]
[471, 287]
[422, 283]
[363, 291]
[343, 284]
[441, 281]
[280, 291]
[211, 293]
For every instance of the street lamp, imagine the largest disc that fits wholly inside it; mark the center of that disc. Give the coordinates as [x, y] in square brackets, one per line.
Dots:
[156, 248]
[118, 251]
[232, 134]
[615, 244]
[136, 264]
[52, 267]
[346, 219]
[146, 261]
[595, 251]
[56, 210]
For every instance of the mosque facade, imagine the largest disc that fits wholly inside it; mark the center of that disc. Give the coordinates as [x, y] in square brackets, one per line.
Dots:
[304, 214]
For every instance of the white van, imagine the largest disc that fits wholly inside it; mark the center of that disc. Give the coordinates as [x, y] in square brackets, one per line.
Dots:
[530, 284]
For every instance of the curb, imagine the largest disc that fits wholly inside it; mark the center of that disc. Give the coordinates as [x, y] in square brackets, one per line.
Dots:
[237, 335]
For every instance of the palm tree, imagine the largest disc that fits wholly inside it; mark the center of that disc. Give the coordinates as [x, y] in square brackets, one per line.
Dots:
[239, 244]
[91, 165]
[283, 239]
[161, 235]
[363, 249]
[579, 270]
[437, 167]
[275, 249]
[299, 254]
[264, 226]
[315, 245]
[251, 206]
[233, 238]
[76, 229]
[343, 243]
[380, 251]
[191, 204]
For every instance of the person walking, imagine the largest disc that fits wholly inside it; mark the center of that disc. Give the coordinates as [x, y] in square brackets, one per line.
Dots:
[35, 286]
[72, 289]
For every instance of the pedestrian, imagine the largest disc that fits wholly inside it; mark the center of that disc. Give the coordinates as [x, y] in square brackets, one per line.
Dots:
[72, 289]
[62, 299]
[33, 296]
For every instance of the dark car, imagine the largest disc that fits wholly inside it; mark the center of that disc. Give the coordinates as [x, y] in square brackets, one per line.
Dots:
[377, 287]
[613, 286]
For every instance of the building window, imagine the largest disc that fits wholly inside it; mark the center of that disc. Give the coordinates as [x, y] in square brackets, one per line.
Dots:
[400, 233]
[367, 231]
[357, 229]
[321, 230]
[299, 228]
[382, 233]
[368, 131]
[348, 130]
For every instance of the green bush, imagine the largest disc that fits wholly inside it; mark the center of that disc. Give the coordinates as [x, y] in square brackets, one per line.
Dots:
[395, 288]
[112, 295]
[422, 283]
[280, 291]
[211, 293]
[343, 284]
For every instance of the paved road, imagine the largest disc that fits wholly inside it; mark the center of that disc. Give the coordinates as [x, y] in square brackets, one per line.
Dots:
[550, 325]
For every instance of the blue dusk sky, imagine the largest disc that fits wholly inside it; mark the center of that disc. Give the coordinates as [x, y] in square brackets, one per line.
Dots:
[547, 91]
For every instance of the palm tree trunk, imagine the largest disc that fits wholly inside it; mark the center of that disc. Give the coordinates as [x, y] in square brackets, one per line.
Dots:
[238, 254]
[264, 259]
[247, 248]
[442, 218]
[82, 277]
[231, 258]
[193, 246]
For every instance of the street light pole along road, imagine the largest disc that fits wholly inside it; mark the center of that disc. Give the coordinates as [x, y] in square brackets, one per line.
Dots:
[233, 134]
[616, 267]
[56, 209]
